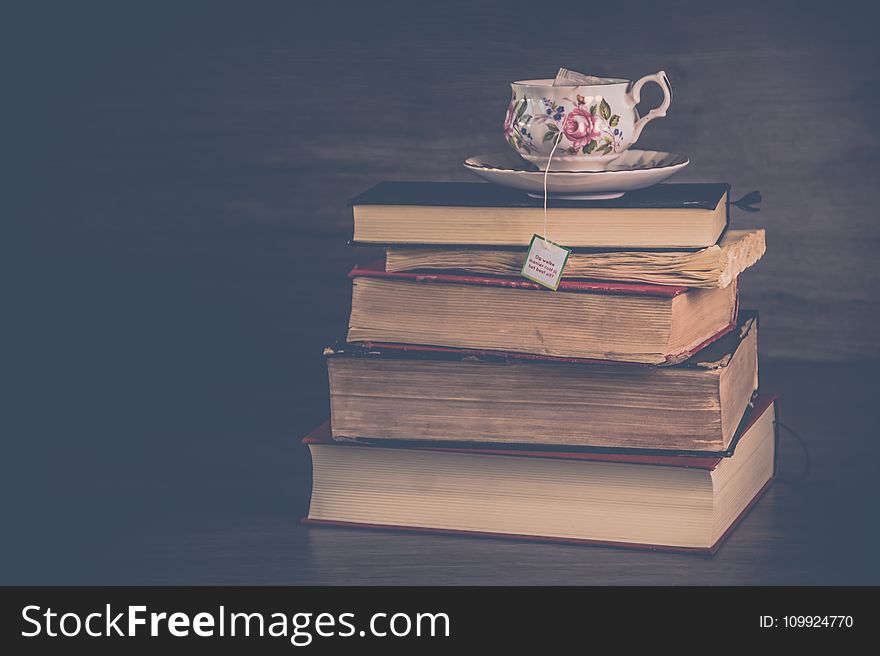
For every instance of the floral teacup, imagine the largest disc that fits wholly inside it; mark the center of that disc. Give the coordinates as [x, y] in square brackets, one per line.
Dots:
[589, 125]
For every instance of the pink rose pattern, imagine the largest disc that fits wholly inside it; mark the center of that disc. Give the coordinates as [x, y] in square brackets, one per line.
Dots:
[580, 127]
[516, 126]
[508, 121]
[587, 127]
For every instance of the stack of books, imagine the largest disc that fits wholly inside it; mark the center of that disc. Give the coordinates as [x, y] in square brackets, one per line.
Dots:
[621, 409]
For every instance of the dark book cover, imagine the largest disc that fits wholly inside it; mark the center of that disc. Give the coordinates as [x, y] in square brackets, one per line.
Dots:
[690, 195]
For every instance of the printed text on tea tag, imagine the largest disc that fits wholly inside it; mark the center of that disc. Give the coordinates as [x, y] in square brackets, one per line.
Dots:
[545, 262]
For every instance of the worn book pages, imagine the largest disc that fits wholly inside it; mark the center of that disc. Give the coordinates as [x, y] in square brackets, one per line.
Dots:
[715, 266]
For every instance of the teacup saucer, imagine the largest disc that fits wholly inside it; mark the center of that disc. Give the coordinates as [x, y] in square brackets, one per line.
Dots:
[634, 169]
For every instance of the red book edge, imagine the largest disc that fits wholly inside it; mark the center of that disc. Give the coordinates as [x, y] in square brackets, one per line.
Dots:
[377, 270]
[676, 358]
[323, 435]
[632, 288]
[641, 546]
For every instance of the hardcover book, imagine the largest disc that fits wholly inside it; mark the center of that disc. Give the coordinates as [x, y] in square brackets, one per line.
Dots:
[663, 501]
[626, 322]
[715, 266]
[431, 395]
[690, 215]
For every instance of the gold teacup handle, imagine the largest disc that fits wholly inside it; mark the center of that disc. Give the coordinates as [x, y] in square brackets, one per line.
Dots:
[635, 95]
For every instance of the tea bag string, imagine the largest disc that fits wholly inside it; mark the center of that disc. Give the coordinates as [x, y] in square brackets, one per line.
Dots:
[546, 172]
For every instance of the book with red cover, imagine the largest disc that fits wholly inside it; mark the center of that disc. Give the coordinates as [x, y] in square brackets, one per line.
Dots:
[377, 270]
[691, 460]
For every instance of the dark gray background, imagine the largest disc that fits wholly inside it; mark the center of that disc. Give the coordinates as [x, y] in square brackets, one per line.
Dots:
[185, 175]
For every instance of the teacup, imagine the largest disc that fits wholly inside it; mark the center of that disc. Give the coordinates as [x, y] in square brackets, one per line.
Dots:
[589, 125]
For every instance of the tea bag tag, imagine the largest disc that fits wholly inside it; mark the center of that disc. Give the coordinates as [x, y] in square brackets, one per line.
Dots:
[545, 262]
[567, 78]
